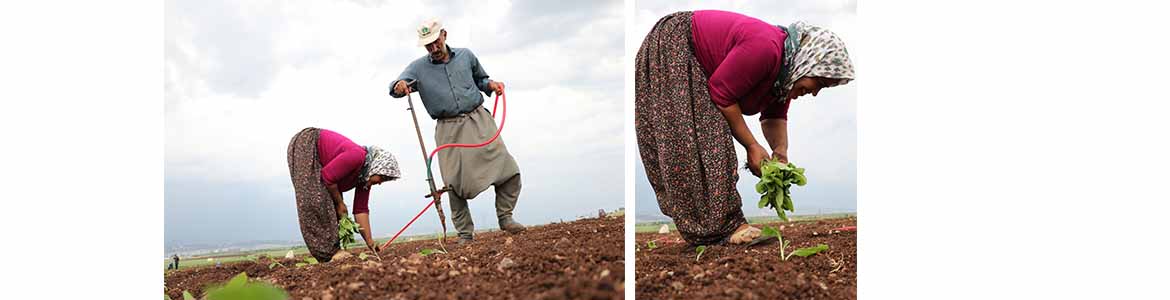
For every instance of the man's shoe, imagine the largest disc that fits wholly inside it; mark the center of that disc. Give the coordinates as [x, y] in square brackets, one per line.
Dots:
[511, 226]
[464, 240]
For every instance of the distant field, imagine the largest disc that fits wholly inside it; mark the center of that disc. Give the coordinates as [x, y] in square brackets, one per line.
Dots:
[653, 226]
[202, 260]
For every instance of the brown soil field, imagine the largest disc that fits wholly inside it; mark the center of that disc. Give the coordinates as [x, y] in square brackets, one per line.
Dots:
[582, 259]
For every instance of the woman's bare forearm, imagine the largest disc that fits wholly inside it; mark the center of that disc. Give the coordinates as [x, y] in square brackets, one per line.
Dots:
[363, 220]
[338, 202]
[739, 129]
[776, 132]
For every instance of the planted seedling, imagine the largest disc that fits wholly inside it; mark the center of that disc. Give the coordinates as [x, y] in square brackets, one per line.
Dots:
[700, 250]
[346, 229]
[429, 251]
[239, 288]
[775, 181]
[802, 252]
[651, 245]
[309, 260]
[363, 256]
[274, 264]
[187, 296]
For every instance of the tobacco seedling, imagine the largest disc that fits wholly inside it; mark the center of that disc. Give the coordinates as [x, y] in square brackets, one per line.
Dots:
[346, 229]
[651, 245]
[802, 252]
[239, 288]
[187, 296]
[775, 180]
[363, 256]
[274, 264]
[429, 251]
[700, 250]
[309, 260]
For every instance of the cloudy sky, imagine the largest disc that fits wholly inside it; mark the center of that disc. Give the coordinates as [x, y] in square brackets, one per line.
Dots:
[241, 77]
[822, 130]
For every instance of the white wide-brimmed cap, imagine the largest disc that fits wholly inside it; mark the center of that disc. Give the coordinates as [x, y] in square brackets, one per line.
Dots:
[428, 31]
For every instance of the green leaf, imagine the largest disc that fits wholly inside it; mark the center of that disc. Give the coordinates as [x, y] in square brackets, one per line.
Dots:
[300, 264]
[768, 231]
[429, 251]
[311, 260]
[651, 245]
[805, 252]
[700, 250]
[238, 281]
[363, 256]
[187, 296]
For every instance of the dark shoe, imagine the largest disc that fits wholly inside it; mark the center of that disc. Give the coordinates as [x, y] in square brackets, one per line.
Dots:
[511, 226]
[464, 240]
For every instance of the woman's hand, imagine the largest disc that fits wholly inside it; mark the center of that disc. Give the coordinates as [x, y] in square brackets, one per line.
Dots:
[756, 155]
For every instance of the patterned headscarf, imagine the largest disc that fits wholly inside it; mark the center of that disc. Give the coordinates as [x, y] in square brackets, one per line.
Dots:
[378, 162]
[812, 51]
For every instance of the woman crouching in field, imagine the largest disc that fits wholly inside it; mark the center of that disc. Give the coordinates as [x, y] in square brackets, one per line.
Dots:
[323, 164]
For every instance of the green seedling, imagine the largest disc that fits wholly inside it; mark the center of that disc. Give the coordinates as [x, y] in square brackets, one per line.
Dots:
[363, 256]
[346, 229]
[700, 250]
[187, 296]
[274, 264]
[651, 245]
[309, 260]
[429, 251]
[238, 288]
[775, 181]
[802, 252]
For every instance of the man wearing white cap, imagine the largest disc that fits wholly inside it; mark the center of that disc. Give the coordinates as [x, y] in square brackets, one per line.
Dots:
[450, 80]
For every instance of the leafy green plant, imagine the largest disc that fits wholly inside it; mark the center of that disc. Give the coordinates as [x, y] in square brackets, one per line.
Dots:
[802, 252]
[775, 181]
[187, 296]
[346, 229]
[429, 251]
[700, 250]
[309, 260]
[238, 288]
[651, 245]
[363, 256]
[274, 264]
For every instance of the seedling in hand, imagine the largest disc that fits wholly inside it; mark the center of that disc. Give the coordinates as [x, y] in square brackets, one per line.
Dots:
[802, 252]
[775, 180]
[346, 229]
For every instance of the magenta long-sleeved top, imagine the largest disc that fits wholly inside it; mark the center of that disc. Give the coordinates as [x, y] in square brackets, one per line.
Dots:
[741, 57]
[341, 161]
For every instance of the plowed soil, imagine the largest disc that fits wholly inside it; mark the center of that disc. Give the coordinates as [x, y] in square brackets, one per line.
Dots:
[575, 260]
[670, 270]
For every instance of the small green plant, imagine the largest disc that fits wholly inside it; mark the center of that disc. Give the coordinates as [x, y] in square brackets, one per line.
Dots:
[187, 296]
[274, 264]
[775, 180]
[238, 288]
[363, 256]
[802, 252]
[429, 251]
[651, 245]
[700, 250]
[346, 229]
[309, 260]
